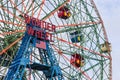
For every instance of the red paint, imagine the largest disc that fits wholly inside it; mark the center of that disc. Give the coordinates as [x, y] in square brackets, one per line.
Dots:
[27, 19]
[39, 34]
[30, 31]
[76, 60]
[38, 28]
[41, 44]
[64, 12]
[39, 23]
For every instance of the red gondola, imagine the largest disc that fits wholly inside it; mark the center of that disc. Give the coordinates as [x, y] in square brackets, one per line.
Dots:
[64, 12]
[77, 60]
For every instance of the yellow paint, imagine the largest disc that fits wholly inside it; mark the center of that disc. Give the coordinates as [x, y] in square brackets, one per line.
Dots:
[78, 61]
[81, 64]
[69, 14]
[65, 13]
[78, 38]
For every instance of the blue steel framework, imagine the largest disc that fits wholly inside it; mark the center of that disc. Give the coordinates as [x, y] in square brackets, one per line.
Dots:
[50, 68]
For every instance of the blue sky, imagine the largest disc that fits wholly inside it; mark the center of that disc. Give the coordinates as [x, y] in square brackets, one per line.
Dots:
[110, 13]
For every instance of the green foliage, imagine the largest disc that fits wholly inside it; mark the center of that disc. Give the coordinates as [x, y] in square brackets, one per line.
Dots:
[10, 39]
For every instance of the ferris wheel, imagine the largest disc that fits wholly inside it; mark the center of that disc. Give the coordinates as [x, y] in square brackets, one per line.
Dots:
[53, 40]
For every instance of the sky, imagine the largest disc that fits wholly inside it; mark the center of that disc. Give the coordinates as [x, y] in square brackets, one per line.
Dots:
[110, 13]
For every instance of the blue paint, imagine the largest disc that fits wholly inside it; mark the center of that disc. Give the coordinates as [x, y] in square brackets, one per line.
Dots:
[21, 61]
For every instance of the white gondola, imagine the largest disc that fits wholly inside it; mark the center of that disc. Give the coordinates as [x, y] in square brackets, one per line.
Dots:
[106, 47]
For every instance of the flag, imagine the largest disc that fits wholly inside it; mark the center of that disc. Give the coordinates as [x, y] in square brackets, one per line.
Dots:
[41, 44]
